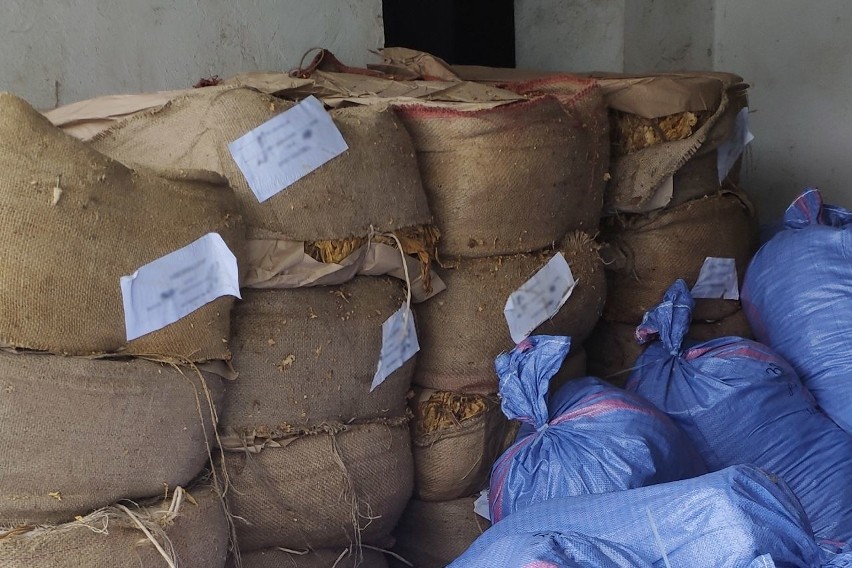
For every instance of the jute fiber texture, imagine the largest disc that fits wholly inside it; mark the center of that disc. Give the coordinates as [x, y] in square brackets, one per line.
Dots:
[502, 181]
[463, 329]
[77, 434]
[431, 535]
[323, 558]
[376, 182]
[326, 490]
[197, 538]
[673, 243]
[73, 221]
[582, 100]
[453, 458]
[308, 356]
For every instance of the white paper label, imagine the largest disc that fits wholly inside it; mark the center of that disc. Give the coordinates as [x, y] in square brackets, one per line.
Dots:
[399, 344]
[286, 148]
[540, 298]
[480, 506]
[175, 285]
[717, 280]
[730, 151]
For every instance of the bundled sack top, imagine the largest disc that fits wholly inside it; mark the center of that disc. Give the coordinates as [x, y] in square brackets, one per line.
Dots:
[73, 222]
[590, 437]
[729, 518]
[797, 296]
[739, 402]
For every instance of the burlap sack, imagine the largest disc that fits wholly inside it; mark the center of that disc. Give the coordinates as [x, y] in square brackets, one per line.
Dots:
[345, 558]
[375, 182]
[612, 348]
[456, 438]
[339, 486]
[74, 221]
[503, 180]
[78, 434]
[308, 356]
[431, 535]
[637, 177]
[196, 537]
[673, 243]
[582, 100]
[464, 329]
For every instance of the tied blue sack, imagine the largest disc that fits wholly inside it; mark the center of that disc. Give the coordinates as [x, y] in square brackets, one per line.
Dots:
[590, 437]
[740, 517]
[740, 402]
[797, 296]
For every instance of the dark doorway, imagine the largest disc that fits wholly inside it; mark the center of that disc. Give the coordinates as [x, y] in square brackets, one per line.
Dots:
[463, 32]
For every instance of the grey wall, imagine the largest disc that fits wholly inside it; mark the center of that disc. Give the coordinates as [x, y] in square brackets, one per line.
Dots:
[793, 52]
[60, 51]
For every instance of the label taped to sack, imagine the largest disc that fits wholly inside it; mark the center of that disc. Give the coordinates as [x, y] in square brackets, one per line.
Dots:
[399, 344]
[175, 285]
[730, 151]
[286, 148]
[540, 298]
[717, 280]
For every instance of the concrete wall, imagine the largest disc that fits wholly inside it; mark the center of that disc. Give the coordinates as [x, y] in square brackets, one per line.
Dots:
[793, 52]
[795, 55]
[59, 51]
[561, 35]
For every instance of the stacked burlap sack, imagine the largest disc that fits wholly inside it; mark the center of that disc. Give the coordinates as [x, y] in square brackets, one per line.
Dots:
[101, 436]
[511, 186]
[315, 463]
[671, 203]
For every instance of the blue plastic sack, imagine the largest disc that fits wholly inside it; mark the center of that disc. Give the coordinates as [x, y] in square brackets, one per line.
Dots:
[735, 518]
[739, 402]
[797, 296]
[590, 438]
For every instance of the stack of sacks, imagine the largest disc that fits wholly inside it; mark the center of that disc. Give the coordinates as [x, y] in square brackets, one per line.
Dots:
[588, 437]
[315, 459]
[85, 424]
[797, 296]
[738, 517]
[671, 204]
[739, 402]
[512, 186]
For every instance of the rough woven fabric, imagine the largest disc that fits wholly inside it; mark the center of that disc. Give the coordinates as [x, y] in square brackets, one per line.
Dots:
[62, 263]
[740, 402]
[663, 246]
[453, 460]
[612, 348]
[798, 297]
[464, 329]
[502, 180]
[637, 176]
[726, 519]
[431, 535]
[315, 490]
[308, 356]
[277, 558]
[199, 536]
[376, 182]
[582, 100]
[93, 431]
[589, 437]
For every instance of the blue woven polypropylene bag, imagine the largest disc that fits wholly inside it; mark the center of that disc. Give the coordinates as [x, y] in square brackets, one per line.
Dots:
[740, 402]
[589, 437]
[740, 517]
[797, 296]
